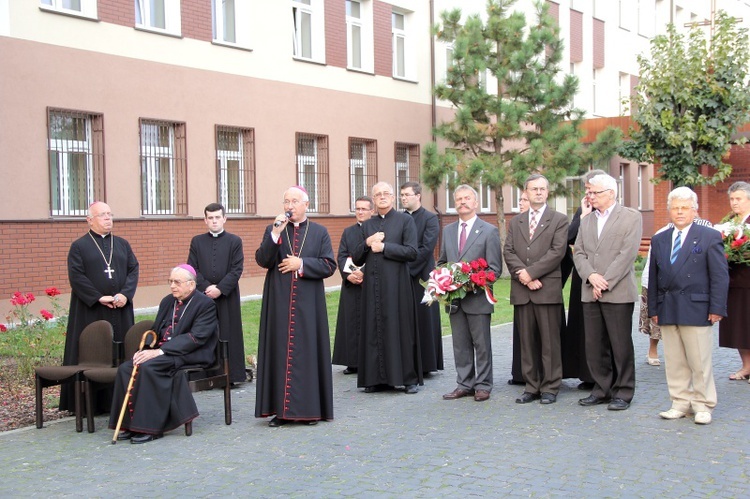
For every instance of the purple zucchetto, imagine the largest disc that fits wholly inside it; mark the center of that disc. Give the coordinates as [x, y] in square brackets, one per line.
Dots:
[188, 267]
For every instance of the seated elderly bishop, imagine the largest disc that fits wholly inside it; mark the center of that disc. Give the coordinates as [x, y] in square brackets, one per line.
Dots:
[187, 329]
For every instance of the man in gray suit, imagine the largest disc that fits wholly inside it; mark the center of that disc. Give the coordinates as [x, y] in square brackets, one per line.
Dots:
[470, 316]
[536, 244]
[604, 253]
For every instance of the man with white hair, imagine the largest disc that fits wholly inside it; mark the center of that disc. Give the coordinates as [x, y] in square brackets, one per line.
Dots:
[604, 254]
[188, 330]
[687, 294]
[295, 383]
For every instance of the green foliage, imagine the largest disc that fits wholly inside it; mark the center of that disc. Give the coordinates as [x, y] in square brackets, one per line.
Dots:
[691, 98]
[527, 123]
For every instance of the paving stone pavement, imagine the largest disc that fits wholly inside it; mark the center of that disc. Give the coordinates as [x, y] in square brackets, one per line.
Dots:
[391, 444]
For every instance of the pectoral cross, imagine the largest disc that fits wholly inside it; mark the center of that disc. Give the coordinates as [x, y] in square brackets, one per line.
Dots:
[109, 271]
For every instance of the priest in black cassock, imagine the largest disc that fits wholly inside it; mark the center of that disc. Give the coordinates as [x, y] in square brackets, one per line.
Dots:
[389, 345]
[218, 259]
[294, 347]
[103, 274]
[350, 320]
[428, 229]
[187, 331]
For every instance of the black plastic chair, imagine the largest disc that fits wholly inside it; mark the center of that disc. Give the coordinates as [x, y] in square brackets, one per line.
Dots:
[106, 375]
[215, 376]
[94, 351]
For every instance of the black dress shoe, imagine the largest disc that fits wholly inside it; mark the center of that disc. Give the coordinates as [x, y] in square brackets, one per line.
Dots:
[142, 438]
[548, 398]
[411, 389]
[376, 388]
[312, 422]
[350, 370]
[592, 400]
[276, 422]
[586, 385]
[124, 435]
[618, 405]
[515, 382]
[527, 397]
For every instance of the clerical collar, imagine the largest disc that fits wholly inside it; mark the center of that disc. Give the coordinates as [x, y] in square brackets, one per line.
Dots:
[386, 214]
[216, 234]
[96, 234]
[297, 224]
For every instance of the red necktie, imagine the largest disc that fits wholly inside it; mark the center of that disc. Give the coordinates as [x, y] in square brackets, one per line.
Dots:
[532, 224]
[462, 238]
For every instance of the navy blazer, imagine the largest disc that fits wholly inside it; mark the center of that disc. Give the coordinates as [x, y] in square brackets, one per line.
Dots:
[696, 285]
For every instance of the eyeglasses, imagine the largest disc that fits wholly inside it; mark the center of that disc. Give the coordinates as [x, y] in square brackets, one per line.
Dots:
[176, 282]
[106, 214]
[596, 193]
[382, 194]
[293, 202]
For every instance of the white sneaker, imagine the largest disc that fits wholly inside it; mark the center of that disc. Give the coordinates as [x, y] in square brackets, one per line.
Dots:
[702, 417]
[672, 414]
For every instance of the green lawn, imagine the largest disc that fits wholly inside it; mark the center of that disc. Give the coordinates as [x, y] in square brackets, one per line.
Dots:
[251, 315]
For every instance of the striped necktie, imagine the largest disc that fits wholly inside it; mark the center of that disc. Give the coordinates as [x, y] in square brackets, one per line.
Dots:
[532, 223]
[676, 247]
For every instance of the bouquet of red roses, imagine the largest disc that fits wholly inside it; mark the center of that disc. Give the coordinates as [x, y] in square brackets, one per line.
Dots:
[736, 238]
[453, 281]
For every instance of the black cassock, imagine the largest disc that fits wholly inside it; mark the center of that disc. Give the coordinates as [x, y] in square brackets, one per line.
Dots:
[430, 333]
[160, 400]
[294, 346]
[219, 260]
[389, 344]
[349, 321]
[89, 281]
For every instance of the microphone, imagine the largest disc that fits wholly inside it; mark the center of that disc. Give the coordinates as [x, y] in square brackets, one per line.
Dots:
[287, 214]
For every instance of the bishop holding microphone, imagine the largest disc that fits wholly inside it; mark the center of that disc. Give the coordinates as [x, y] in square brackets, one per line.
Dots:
[294, 350]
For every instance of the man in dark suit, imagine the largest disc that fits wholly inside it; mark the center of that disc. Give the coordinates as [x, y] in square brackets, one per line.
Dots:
[604, 254]
[188, 329]
[534, 248]
[689, 282]
[428, 318]
[470, 316]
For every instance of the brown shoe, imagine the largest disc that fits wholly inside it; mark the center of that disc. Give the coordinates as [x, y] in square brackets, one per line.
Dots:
[481, 395]
[457, 394]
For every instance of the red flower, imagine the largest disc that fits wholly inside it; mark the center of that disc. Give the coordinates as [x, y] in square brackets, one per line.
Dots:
[482, 262]
[465, 267]
[3, 329]
[18, 299]
[30, 297]
[46, 314]
[53, 291]
[491, 277]
[474, 265]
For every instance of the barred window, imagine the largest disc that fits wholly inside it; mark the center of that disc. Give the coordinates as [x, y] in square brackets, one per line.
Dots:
[363, 160]
[76, 160]
[163, 168]
[312, 170]
[235, 165]
[407, 165]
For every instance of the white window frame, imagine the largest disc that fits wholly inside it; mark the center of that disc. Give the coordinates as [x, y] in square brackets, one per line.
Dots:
[241, 15]
[358, 170]
[641, 185]
[621, 184]
[485, 198]
[515, 199]
[402, 174]
[404, 54]
[63, 149]
[150, 157]
[308, 169]
[223, 157]
[172, 16]
[86, 8]
[315, 10]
